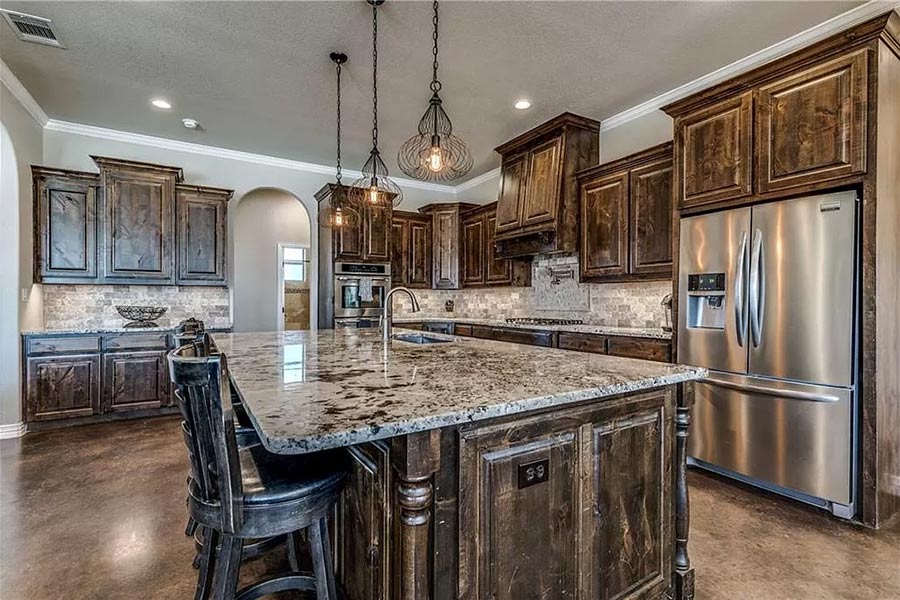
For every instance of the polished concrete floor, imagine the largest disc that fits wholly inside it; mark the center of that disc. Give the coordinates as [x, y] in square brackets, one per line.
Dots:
[98, 511]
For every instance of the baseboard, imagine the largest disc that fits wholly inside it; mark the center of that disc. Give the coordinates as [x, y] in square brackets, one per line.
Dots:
[13, 430]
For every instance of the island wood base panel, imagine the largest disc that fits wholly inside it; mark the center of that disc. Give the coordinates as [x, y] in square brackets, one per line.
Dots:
[585, 502]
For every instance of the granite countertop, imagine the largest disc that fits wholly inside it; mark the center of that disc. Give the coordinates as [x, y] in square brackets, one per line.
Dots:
[647, 332]
[162, 328]
[309, 391]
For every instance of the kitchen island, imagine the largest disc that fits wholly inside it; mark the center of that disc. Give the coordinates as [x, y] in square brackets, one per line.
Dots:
[483, 469]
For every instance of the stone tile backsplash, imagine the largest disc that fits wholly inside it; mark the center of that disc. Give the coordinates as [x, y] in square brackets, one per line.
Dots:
[555, 294]
[94, 306]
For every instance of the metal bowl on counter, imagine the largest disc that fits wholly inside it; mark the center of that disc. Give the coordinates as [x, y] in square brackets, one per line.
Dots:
[141, 316]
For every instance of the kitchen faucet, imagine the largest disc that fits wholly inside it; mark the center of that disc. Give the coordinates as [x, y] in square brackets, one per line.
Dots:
[386, 324]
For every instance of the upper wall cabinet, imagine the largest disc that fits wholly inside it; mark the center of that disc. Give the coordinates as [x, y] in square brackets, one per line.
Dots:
[411, 248]
[480, 264]
[626, 211]
[134, 223]
[202, 233]
[537, 209]
[811, 125]
[65, 225]
[446, 232]
[367, 239]
[714, 153]
[139, 221]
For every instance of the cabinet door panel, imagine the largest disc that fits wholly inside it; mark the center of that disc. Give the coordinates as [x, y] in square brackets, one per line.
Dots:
[62, 387]
[348, 241]
[473, 251]
[812, 125]
[627, 534]
[713, 152]
[446, 249]
[202, 231]
[512, 191]
[134, 381]
[651, 218]
[646, 349]
[542, 192]
[67, 215]
[498, 270]
[604, 222]
[516, 530]
[377, 233]
[420, 254]
[139, 236]
[399, 251]
[363, 525]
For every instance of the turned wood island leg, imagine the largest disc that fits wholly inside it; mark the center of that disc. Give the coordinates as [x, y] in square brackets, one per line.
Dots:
[684, 572]
[416, 457]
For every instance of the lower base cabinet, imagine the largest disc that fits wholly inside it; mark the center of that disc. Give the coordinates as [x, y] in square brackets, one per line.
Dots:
[62, 387]
[135, 381]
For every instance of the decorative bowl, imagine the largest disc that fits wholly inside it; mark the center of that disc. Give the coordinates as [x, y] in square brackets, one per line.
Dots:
[141, 316]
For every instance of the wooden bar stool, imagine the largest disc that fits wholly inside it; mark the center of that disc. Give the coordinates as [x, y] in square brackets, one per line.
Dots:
[239, 494]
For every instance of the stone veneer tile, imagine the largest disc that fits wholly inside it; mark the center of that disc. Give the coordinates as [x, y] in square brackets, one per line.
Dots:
[93, 306]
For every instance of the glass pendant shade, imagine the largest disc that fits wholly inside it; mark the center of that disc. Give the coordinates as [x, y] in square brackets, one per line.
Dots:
[434, 153]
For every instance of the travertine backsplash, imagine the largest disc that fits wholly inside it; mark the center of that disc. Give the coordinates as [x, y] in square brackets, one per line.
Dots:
[94, 306]
[635, 304]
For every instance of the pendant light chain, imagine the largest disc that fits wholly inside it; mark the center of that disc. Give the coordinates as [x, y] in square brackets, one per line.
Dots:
[435, 84]
[338, 174]
[374, 76]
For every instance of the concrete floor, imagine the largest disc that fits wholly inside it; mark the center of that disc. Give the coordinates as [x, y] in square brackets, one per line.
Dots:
[98, 512]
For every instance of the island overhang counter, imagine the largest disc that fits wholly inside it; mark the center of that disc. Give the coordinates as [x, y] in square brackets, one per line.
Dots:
[483, 469]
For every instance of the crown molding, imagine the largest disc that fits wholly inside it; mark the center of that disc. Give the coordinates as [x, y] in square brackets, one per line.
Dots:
[192, 148]
[819, 32]
[21, 94]
[13, 430]
[475, 181]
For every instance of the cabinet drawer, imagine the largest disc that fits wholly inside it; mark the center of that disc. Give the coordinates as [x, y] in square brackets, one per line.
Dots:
[639, 348]
[583, 342]
[463, 330]
[414, 326]
[69, 344]
[134, 341]
[446, 328]
[520, 336]
[482, 331]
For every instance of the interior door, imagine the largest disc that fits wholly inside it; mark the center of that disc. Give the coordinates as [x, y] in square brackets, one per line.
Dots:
[712, 333]
[801, 289]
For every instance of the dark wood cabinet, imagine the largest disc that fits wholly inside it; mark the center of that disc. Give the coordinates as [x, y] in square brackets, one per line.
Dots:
[480, 264]
[65, 226]
[604, 215]
[366, 238]
[411, 250]
[202, 234]
[363, 525]
[377, 233]
[135, 381]
[134, 223]
[445, 243]
[139, 220]
[532, 482]
[713, 156]
[537, 210]
[811, 125]
[626, 211]
[646, 349]
[62, 387]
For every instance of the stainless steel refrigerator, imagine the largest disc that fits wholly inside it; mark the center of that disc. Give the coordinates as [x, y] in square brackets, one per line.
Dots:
[767, 304]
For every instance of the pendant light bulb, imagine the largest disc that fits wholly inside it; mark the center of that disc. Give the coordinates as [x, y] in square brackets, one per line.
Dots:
[435, 160]
[338, 217]
[373, 192]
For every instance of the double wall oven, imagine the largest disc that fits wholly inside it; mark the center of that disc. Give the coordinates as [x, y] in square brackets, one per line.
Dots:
[359, 292]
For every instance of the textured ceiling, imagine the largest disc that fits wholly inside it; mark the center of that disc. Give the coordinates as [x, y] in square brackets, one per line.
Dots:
[257, 75]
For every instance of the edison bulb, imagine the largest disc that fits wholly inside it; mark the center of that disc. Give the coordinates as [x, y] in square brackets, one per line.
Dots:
[373, 194]
[435, 160]
[338, 217]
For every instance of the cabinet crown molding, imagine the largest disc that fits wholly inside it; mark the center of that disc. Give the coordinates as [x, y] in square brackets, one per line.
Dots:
[565, 120]
[42, 171]
[204, 189]
[105, 162]
[652, 154]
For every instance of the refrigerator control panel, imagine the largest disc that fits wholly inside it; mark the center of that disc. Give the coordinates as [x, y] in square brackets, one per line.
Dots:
[706, 282]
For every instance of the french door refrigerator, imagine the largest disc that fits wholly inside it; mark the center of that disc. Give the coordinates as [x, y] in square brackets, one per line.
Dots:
[766, 303]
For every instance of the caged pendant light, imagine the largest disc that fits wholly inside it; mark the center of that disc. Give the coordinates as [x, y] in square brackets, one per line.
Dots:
[335, 206]
[375, 187]
[434, 153]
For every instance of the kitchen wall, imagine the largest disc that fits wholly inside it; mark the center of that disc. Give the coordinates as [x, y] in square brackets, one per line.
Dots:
[634, 304]
[94, 306]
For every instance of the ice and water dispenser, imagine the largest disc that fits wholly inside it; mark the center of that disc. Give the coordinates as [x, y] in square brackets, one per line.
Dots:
[706, 301]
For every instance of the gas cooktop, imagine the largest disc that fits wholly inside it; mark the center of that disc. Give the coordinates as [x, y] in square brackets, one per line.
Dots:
[536, 321]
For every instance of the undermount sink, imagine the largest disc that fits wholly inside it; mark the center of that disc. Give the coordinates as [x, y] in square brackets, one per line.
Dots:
[418, 338]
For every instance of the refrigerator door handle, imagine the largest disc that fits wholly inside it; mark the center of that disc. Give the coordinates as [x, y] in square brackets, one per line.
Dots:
[739, 314]
[756, 288]
[768, 391]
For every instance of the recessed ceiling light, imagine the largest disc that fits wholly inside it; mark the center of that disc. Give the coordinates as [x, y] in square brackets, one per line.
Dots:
[160, 103]
[190, 123]
[522, 104]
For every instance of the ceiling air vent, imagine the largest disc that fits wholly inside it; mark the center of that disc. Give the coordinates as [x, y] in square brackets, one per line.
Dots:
[29, 28]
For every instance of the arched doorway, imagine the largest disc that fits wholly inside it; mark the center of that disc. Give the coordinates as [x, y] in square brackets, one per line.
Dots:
[9, 281]
[272, 246]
